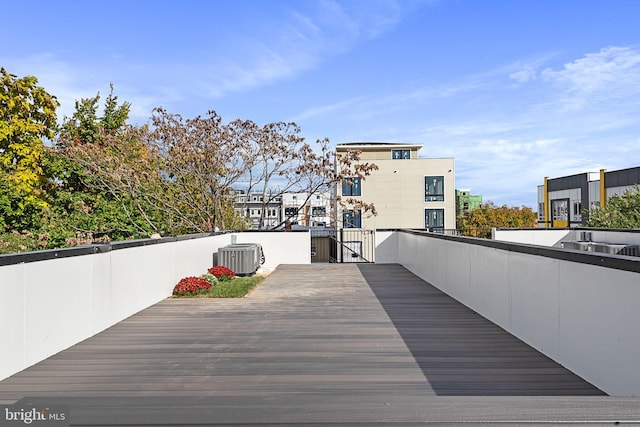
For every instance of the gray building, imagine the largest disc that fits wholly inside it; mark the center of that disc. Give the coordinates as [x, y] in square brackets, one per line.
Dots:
[563, 201]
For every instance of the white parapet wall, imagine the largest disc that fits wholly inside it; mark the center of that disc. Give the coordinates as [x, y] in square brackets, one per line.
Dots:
[52, 300]
[580, 309]
[295, 249]
[551, 237]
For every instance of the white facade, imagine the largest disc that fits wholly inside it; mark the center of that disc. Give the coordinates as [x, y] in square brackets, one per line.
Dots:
[257, 207]
[315, 210]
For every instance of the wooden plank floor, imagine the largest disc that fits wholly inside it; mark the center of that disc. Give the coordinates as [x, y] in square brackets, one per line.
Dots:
[313, 345]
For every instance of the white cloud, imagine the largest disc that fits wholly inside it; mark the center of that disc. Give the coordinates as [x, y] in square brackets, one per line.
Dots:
[525, 75]
[610, 67]
[288, 43]
[323, 110]
[310, 33]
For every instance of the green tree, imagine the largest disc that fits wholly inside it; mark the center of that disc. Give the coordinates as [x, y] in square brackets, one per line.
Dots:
[93, 155]
[86, 127]
[27, 117]
[620, 211]
[480, 221]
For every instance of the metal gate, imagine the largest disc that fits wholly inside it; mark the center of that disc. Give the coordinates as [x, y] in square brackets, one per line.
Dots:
[344, 245]
[352, 245]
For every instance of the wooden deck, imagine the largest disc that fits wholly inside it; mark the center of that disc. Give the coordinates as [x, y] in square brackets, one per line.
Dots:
[314, 344]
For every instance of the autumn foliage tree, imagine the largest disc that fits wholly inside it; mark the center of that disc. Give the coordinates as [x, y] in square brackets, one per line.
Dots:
[27, 118]
[103, 179]
[206, 160]
[480, 221]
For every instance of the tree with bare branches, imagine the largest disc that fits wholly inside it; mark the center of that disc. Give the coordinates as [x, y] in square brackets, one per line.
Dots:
[179, 175]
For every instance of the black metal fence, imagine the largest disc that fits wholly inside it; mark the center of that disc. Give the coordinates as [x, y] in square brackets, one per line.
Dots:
[344, 245]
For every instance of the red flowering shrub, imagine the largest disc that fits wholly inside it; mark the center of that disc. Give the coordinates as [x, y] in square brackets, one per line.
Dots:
[191, 286]
[222, 272]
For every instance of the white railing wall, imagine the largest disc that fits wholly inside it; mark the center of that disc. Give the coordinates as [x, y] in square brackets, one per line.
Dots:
[580, 309]
[555, 236]
[51, 304]
[535, 236]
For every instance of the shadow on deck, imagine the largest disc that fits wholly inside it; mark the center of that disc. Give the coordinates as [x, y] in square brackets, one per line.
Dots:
[461, 352]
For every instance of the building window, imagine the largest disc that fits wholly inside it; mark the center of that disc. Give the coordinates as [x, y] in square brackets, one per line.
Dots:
[351, 187]
[294, 197]
[318, 211]
[541, 211]
[434, 188]
[400, 154]
[352, 219]
[434, 219]
[290, 212]
[577, 208]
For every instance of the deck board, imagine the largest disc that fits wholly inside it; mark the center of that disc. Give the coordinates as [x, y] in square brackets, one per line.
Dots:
[320, 343]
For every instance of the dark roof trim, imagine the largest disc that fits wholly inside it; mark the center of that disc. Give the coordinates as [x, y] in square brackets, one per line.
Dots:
[377, 144]
[53, 254]
[618, 262]
[373, 143]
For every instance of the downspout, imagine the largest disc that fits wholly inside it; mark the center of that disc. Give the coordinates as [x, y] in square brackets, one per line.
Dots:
[603, 189]
[546, 202]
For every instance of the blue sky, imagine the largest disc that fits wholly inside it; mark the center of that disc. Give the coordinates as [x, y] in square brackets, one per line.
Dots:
[513, 90]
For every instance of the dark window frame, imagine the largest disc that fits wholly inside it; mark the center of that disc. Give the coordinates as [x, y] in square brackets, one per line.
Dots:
[434, 192]
[352, 218]
[401, 154]
[439, 216]
[352, 186]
